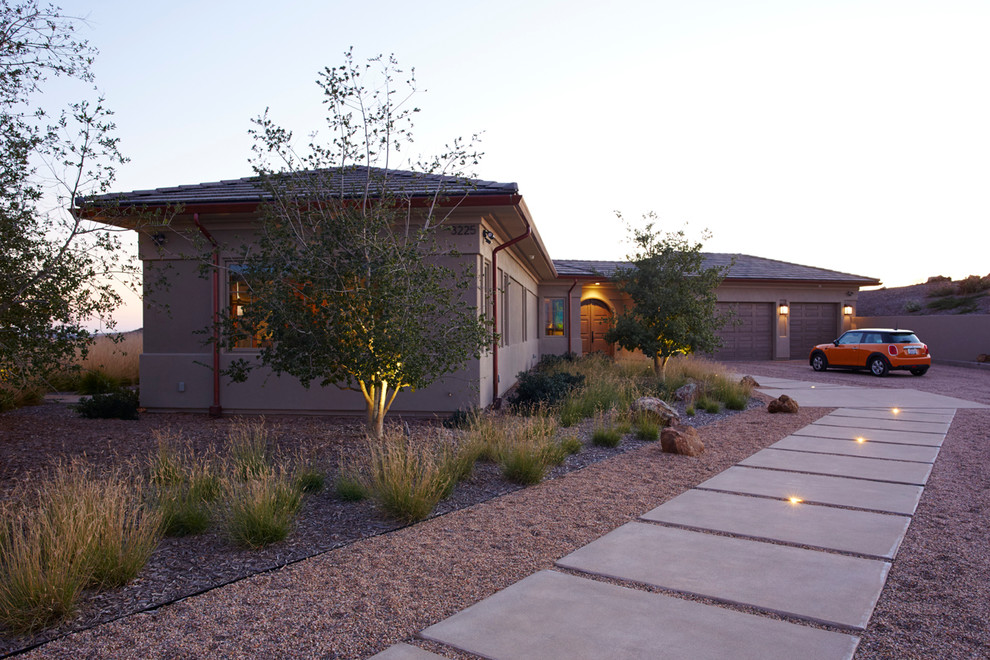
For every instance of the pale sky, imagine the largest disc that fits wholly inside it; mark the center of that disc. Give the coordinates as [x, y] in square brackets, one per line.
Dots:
[853, 135]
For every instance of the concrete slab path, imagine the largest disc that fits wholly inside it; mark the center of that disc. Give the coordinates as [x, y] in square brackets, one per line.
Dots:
[806, 584]
[551, 615]
[804, 529]
[844, 530]
[877, 469]
[872, 435]
[818, 489]
[807, 443]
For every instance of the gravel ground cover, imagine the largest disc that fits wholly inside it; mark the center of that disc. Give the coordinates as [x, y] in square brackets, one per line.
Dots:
[32, 440]
[361, 598]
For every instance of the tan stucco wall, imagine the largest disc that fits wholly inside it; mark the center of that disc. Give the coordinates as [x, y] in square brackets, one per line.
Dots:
[955, 337]
[775, 293]
[175, 373]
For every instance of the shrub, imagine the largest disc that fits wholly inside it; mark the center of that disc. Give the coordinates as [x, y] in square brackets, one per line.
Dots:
[935, 279]
[708, 405]
[122, 404]
[18, 397]
[97, 382]
[310, 480]
[461, 419]
[539, 388]
[973, 284]
[690, 411]
[962, 305]
[912, 306]
[605, 435]
[942, 290]
[261, 510]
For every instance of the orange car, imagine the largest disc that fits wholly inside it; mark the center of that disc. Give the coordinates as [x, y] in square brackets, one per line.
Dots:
[878, 349]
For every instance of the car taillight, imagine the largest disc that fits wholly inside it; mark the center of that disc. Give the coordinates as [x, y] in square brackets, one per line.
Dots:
[892, 349]
[924, 347]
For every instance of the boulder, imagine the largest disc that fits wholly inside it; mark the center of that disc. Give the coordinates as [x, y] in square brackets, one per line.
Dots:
[783, 403]
[686, 392]
[655, 407]
[681, 440]
[749, 381]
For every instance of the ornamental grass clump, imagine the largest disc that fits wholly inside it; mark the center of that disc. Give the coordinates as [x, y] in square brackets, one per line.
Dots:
[647, 426]
[260, 510]
[405, 478]
[247, 448]
[80, 530]
[185, 486]
[529, 449]
[605, 434]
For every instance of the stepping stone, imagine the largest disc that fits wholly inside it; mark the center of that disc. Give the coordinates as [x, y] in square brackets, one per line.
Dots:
[872, 435]
[900, 472]
[807, 584]
[808, 443]
[862, 532]
[818, 489]
[911, 414]
[552, 615]
[940, 428]
[404, 652]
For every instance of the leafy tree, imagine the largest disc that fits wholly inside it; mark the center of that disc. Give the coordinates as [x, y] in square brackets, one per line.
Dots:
[54, 265]
[349, 282]
[673, 297]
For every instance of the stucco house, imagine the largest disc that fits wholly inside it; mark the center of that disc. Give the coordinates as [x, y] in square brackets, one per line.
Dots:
[541, 306]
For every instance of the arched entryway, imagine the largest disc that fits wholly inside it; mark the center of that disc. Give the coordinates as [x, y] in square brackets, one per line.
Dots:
[596, 319]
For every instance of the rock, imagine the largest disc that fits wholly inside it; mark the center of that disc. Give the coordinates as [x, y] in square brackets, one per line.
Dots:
[983, 357]
[686, 392]
[682, 440]
[656, 407]
[783, 403]
[748, 381]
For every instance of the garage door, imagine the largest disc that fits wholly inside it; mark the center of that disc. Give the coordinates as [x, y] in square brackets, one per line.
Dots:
[812, 324]
[749, 335]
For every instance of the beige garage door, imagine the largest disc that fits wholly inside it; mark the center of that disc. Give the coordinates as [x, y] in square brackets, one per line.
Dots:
[812, 324]
[749, 335]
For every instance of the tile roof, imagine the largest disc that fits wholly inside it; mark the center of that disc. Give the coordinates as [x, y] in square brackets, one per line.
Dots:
[746, 267]
[400, 182]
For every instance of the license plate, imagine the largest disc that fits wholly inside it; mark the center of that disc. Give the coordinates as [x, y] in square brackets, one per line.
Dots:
[912, 351]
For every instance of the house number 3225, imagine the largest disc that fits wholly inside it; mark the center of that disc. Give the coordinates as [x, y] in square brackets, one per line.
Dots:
[464, 230]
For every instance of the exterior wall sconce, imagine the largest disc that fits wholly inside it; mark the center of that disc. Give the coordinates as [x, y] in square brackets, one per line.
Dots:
[847, 310]
[784, 310]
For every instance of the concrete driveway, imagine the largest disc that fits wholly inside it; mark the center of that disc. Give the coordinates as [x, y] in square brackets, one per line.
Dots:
[971, 385]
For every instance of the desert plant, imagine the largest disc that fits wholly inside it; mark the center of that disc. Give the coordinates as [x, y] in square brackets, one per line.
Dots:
[942, 290]
[97, 382]
[961, 304]
[973, 284]
[18, 397]
[349, 484]
[912, 306]
[247, 448]
[185, 486]
[404, 478]
[528, 450]
[647, 426]
[260, 510]
[571, 445]
[122, 404]
[309, 480]
[541, 388]
[690, 411]
[605, 434]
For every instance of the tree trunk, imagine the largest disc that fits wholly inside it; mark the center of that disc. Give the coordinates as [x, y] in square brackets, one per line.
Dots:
[377, 402]
[660, 366]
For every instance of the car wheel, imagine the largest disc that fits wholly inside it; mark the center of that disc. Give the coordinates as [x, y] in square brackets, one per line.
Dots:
[878, 366]
[819, 362]
[919, 371]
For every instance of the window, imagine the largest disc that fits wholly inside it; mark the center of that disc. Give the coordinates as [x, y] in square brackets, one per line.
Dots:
[240, 296]
[504, 283]
[553, 315]
[524, 334]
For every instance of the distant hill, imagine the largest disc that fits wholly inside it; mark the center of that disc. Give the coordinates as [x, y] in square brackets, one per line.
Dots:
[937, 296]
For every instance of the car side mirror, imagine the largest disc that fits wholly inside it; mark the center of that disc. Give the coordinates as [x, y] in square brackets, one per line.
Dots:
[835, 341]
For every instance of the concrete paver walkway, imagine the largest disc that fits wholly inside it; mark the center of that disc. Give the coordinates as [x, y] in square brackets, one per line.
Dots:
[805, 529]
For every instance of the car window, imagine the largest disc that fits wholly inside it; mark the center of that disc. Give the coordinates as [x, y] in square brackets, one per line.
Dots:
[851, 338]
[903, 338]
[873, 338]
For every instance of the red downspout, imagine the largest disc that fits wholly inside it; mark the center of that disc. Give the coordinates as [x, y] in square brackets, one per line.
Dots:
[215, 409]
[567, 324]
[495, 397]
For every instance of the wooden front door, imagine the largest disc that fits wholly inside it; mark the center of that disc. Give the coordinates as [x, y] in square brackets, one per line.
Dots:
[596, 319]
